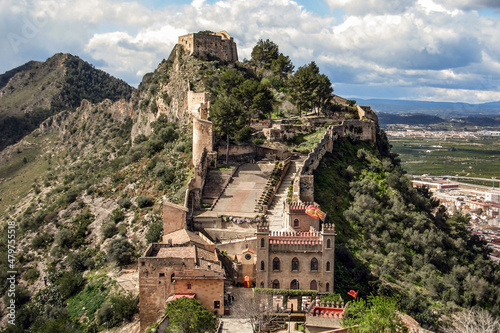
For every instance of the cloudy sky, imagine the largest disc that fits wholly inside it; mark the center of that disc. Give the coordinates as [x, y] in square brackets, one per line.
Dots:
[437, 50]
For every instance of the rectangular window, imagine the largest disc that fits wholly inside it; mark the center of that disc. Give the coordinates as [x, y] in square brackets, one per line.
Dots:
[216, 304]
[189, 286]
[162, 274]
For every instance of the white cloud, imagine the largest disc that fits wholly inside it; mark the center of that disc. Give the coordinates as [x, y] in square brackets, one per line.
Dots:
[420, 45]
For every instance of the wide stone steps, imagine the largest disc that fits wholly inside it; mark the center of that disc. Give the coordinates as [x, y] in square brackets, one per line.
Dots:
[214, 185]
[275, 212]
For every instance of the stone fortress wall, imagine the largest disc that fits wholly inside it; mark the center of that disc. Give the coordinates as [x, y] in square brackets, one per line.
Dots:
[360, 129]
[208, 45]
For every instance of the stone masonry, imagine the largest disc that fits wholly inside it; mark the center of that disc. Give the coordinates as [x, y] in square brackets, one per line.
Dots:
[210, 45]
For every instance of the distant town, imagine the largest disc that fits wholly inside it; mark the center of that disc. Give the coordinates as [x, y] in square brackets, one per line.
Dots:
[481, 203]
[404, 131]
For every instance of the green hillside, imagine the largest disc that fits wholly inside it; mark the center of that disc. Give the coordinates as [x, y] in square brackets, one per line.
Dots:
[394, 240]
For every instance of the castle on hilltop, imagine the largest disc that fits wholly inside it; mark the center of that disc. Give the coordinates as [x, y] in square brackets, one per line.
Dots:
[207, 45]
[251, 224]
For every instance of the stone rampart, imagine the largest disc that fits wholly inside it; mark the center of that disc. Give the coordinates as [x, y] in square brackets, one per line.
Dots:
[357, 129]
[249, 152]
[202, 138]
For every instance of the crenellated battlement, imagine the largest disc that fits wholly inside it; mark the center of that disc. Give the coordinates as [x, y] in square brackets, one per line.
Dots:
[263, 227]
[329, 228]
[300, 207]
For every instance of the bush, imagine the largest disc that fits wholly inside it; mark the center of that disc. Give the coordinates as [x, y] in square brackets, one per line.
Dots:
[109, 230]
[70, 283]
[258, 141]
[121, 251]
[180, 147]
[140, 138]
[80, 261]
[65, 238]
[31, 274]
[144, 201]
[155, 230]
[125, 203]
[120, 307]
[117, 215]
[42, 240]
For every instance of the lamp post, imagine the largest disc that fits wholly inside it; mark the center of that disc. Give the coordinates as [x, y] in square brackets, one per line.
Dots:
[289, 317]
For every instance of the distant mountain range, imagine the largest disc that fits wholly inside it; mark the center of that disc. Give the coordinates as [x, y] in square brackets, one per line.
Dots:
[440, 109]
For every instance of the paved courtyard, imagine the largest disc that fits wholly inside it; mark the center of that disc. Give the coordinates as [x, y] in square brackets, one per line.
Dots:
[245, 189]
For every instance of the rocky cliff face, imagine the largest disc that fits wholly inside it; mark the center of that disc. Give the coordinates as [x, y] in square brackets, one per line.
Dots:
[165, 90]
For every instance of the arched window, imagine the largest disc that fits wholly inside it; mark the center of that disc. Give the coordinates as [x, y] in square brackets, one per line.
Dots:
[276, 264]
[262, 265]
[172, 277]
[314, 264]
[262, 242]
[327, 266]
[296, 223]
[328, 244]
[327, 287]
[276, 284]
[294, 284]
[262, 284]
[313, 285]
[295, 264]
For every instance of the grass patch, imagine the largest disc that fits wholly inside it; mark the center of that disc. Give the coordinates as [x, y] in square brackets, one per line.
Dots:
[20, 172]
[90, 299]
[306, 143]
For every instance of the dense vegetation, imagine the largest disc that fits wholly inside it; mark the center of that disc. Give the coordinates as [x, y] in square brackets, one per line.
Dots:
[395, 240]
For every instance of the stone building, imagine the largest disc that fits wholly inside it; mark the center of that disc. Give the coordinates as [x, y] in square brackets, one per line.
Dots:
[209, 45]
[295, 260]
[187, 264]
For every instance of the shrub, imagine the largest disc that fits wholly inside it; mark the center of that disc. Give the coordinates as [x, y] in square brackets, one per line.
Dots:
[31, 274]
[121, 251]
[42, 240]
[117, 215]
[125, 203]
[140, 138]
[109, 230]
[180, 147]
[65, 238]
[69, 283]
[144, 201]
[120, 307]
[71, 196]
[80, 261]
[258, 141]
[155, 230]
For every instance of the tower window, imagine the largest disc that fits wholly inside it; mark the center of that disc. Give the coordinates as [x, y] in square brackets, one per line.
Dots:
[314, 264]
[276, 264]
[295, 264]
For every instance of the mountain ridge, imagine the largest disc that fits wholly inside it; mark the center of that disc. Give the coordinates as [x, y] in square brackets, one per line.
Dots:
[36, 90]
[443, 109]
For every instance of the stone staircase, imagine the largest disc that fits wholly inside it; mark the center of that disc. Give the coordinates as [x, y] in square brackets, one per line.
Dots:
[275, 212]
[214, 185]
